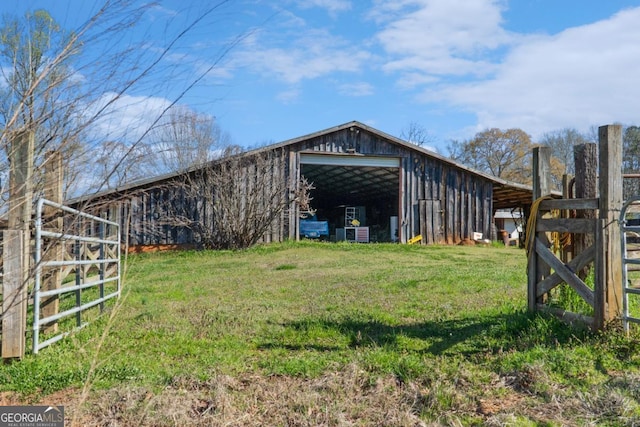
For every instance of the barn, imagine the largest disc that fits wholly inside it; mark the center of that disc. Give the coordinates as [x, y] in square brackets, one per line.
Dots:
[368, 186]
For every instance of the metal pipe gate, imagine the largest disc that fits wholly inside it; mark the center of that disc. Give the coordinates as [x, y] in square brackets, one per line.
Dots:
[106, 262]
[628, 232]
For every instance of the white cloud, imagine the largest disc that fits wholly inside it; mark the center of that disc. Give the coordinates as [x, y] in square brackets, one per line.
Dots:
[457, 52]
[412, 80]
[580, 77]
[356, 89]
[158, 12]
[289, 96]
[311, 54]
[440, 37]
[125, 118]
[332, 6]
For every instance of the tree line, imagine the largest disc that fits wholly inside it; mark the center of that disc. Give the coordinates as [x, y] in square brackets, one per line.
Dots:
[507, 154]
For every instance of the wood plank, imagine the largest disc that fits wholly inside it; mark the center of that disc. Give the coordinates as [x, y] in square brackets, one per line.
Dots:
[568, 316]
[402, 235]
[541, 187]
[610, 183]
[455, 210]
[450, 203]
[586, 187]
[294, 209]
[477, 204]
[470, 228]
[532, 282]
[52, 221]
[21, 183]
[425, 229]
[567, 275]
[564, 204]
[414, 212]
[14, 292]
[541, 172]
[566, 225]
[576, 264]
[487, 204]
[567, 248]
[599, 310]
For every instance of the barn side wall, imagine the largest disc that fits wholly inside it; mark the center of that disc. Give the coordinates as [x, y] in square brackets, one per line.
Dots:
[458, 202]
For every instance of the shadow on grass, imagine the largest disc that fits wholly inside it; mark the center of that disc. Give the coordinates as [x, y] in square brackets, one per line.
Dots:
[519, 330]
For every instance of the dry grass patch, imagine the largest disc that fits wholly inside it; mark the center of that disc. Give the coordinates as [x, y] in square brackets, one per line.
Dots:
[349, 397]
[344, 398]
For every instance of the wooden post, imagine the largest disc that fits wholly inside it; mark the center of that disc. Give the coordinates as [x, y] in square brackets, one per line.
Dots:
[21, 189]
[586, 159]
[52, 222]
[21, 149]
[538, 269]
[566, 252]
[14, 292]
[600, 276]
[610, 183]
[541, 172]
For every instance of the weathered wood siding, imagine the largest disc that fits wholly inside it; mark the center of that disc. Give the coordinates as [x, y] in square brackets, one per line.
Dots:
[166, 213]
[445, 202]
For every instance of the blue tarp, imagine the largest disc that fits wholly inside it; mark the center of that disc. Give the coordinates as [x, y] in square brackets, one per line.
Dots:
[314, 228]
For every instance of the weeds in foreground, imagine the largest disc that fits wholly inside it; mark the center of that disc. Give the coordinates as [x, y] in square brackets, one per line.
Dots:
[320, 334]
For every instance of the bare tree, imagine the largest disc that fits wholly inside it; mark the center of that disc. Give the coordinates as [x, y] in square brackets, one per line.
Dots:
[184, 139]
[233, 202]
[631, 160]
[119, 163]
[561, 143]
[417, 134]
[33, 83]
[69, 87]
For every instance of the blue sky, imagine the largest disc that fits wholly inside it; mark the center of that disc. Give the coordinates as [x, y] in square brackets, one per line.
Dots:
[455, 67]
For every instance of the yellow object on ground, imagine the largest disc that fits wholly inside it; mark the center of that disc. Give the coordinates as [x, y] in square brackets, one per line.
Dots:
[415, 239]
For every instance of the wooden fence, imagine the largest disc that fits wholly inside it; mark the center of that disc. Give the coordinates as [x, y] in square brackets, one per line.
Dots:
[550, 264]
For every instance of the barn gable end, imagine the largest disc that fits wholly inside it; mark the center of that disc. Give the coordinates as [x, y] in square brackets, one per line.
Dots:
[351, 166]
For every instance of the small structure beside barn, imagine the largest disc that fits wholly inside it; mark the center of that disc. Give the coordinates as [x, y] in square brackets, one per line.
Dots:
[510, 225]
[368, 186]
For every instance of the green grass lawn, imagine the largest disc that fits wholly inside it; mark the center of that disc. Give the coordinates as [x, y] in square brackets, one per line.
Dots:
[333, 334]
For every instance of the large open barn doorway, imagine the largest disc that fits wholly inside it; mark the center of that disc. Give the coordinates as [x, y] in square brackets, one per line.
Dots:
[357, 197]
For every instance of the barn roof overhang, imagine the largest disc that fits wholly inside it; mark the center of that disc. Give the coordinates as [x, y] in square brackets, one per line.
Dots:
[511, 195]
[506, 194]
